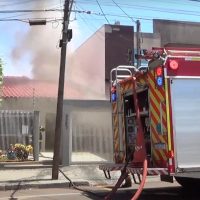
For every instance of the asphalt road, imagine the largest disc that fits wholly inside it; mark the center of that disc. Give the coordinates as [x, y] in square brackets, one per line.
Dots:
[152, 191]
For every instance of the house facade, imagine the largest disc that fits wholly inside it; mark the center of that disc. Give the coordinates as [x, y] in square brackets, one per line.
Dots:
[89, 71]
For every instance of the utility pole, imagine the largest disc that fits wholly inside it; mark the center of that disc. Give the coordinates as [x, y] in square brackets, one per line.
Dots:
[63, 45]
[138, 36]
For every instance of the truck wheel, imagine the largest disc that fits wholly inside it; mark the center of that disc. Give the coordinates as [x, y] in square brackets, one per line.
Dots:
[188, 182]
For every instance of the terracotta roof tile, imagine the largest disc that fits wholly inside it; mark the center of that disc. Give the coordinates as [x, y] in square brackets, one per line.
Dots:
[17, 87]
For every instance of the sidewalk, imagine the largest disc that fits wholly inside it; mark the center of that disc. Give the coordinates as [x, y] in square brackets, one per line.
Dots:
[38, 174]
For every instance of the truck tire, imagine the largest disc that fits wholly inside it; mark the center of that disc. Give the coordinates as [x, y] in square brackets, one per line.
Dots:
[188, 182]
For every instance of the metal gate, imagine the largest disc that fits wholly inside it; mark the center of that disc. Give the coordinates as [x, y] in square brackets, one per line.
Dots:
[86, 132]
[19, 127]
[91, 137]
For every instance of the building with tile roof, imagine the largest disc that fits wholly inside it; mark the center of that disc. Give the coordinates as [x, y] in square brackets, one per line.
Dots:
[24, 87]
[23, 93]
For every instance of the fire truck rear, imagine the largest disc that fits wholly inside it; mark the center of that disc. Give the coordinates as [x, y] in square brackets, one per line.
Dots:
[156, 118]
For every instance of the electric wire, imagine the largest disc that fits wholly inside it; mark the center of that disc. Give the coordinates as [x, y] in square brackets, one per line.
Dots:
[93, 13]
[166, 10]
[123, 11]
[145, 7]
[90, 25]
[191, 13]
[102, 11]
[147, 18]
[18, 15]
[31, 11]
[15, 3]
[169, 2]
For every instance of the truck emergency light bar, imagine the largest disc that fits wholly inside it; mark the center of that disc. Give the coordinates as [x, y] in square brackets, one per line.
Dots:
[159, 76]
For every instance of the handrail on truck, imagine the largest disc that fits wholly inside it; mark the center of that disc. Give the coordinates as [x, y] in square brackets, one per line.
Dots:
[121, 68]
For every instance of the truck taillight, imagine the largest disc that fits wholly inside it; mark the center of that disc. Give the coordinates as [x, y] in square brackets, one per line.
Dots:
[171, 154]
[173, 64]
[170, 167]
[170, 161]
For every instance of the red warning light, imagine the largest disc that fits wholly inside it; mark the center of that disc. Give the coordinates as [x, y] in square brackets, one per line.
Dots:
[173, 64]
[159, 71]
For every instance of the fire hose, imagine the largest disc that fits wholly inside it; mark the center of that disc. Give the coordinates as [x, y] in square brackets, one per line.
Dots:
[144, 175]
[135, 99]
[123, 176]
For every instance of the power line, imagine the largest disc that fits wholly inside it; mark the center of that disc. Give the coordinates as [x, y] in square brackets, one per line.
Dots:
[102, 12]
[10, 20]
[172, 2]
[176, 11]
[18, 15]
[92, 13]
[20, 2]
[165, 10]
[31, 11]
[148, 18]
[123, 11]
[90, 25]
[99, 34]
[15, 3]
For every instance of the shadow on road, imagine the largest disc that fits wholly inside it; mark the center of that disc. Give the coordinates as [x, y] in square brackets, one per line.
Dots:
[165, 193]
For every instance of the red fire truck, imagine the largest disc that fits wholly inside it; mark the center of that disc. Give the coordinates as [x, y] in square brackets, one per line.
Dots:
[156, 118]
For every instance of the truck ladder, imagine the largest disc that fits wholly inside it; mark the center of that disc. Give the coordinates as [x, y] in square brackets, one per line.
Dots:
[116, 75]
[139, 153]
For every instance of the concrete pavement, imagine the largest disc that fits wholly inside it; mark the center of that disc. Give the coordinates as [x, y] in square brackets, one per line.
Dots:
[33, 174]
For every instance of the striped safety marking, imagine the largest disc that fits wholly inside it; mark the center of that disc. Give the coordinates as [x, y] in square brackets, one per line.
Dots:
[126, 85]
[115, 131]
[158, 123]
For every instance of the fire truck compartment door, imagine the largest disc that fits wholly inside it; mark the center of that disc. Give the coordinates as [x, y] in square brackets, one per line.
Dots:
[185, 94]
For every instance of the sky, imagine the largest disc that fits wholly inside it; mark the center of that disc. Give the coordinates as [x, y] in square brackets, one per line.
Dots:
[34, 51]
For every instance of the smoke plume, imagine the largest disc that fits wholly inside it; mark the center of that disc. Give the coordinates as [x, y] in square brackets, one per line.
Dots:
[40, 45]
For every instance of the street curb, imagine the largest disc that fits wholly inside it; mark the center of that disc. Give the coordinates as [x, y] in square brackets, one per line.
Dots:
[25, 165]
[39, 184]
[29, 162]
[20, 167]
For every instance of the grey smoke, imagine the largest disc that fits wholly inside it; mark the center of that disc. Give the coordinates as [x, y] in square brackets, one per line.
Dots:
[40, 43]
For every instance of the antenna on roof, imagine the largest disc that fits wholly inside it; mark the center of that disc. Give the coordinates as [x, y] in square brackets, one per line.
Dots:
[117, 22]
